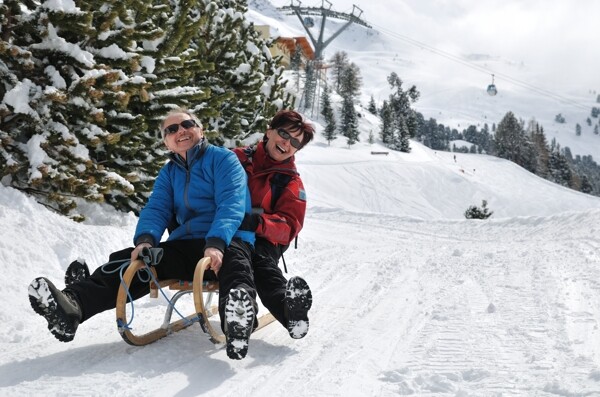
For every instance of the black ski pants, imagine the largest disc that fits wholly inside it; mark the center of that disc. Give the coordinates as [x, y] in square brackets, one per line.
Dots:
[269, 279]
[99, 292]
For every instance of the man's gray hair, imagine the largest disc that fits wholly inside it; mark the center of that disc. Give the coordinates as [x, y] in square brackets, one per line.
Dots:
[178, 111]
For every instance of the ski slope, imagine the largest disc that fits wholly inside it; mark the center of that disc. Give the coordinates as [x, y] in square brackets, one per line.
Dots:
[409, 297]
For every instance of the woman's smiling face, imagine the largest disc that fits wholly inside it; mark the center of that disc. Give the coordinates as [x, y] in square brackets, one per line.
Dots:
[279, 148]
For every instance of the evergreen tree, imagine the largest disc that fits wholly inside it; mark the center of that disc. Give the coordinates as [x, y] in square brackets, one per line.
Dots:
[339, 62]
[97, 79]
[372, 106]
[511, 142]
[68, 139]
[371, 138]
[244, 80]
[387, 124]
[474, 212]
[405, 119]
[349, 120]
[578, 129]
[351, 81]
[401, 137]
[558, 166]
[586, 186]
[540, 145]
[349, 88]
[327, 112]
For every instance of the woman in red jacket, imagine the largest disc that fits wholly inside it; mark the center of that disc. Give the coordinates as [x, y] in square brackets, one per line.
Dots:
[279, 206]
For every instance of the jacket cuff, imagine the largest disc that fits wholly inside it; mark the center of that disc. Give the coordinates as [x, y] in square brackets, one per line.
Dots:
[215, 242]
[144, 238]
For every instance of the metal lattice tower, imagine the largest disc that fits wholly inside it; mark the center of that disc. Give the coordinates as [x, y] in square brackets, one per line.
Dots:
[320, 43]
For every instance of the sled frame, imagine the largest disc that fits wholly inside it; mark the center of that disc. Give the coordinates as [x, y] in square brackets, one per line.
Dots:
[204, 309]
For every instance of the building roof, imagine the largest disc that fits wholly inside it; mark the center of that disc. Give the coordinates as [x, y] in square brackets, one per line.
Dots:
[290, 43]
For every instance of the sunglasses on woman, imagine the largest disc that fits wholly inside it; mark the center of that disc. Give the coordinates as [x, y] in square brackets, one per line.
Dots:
[173, 128]
[286, 135]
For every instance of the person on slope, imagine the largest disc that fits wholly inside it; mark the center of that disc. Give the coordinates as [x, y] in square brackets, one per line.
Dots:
[209, 209]
[279, 207]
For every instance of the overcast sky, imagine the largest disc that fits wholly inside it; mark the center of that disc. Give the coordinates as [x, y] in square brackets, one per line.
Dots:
[558, 37]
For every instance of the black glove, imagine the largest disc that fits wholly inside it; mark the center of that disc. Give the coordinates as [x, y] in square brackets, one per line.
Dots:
[151, 256]
[250, 222]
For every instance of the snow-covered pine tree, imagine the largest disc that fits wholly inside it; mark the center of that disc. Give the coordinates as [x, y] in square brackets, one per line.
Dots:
[338, 62]
[475, 212]
[350, 83]
[558, 166]
[349, 120]
[405, 121]
[62, 108]
[372, 108]
[84, 85]
[540, 145]
[387, 123]
[401, 136]
[328, 115]
[245, 84]
[508, 137]
[140, 40]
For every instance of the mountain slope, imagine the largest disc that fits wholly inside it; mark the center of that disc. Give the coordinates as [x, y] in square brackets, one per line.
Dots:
[408, 297]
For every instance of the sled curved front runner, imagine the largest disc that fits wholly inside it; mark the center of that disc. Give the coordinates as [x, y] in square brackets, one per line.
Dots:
[203, 308]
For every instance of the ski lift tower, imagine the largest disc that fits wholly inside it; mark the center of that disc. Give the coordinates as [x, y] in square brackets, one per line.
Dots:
[320, 43]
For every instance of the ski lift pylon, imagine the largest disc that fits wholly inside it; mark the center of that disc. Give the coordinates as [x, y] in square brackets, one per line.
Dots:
[491, 89]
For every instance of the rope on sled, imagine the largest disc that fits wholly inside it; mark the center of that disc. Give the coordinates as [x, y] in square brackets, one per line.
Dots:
[150, 257]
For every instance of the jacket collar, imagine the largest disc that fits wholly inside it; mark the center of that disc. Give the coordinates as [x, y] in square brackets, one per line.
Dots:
[192, 154]
[262, 161]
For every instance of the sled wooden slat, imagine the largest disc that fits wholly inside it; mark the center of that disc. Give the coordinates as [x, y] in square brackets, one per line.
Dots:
[215, 337]
[198, 287]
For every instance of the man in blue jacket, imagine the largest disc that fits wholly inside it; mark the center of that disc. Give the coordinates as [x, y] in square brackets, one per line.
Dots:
[206, 188]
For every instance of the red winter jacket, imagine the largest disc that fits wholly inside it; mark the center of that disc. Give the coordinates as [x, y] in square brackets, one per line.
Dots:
[281, 224]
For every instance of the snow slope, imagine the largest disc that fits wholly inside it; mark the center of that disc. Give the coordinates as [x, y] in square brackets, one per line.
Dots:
[409, 298]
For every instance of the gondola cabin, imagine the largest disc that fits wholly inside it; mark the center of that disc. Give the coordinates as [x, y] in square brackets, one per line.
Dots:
[491, 89]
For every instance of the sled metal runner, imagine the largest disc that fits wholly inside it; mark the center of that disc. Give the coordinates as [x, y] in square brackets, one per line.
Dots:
[203, 308]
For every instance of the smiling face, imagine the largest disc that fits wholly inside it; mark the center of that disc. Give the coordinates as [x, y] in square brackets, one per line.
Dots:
[184, 138]
[279, 148]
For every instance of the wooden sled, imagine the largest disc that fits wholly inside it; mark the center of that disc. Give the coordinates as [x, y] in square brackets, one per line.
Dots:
[203, 308]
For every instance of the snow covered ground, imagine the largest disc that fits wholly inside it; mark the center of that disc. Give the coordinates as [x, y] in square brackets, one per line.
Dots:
[409, 297]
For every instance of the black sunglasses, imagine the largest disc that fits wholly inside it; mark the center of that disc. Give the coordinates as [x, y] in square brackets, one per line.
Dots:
[173, 128]
[286, 135]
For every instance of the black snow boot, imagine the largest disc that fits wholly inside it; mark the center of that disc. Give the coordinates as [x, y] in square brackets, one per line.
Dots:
[239, 323]
[60, 309]
[298, 300]
[77, 271]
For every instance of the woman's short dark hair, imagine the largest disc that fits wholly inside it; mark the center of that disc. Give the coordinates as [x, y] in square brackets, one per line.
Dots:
[292, 121]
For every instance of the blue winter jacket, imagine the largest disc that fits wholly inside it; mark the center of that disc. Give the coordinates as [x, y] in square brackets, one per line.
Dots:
[208, 194]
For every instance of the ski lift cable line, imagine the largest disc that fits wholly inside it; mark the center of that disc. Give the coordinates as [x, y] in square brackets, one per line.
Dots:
[482, 69]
